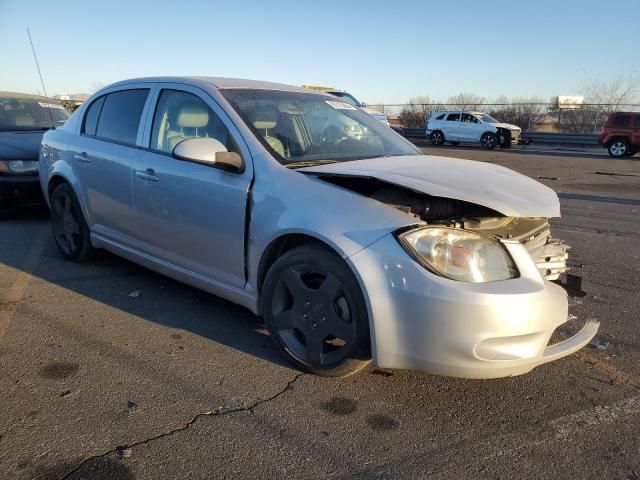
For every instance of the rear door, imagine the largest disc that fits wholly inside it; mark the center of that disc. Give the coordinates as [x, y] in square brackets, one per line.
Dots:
[451, 126]
[102, 155]
[188, 214]
[635, 139]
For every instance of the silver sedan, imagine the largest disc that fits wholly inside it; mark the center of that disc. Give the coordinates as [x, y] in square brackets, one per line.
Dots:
[351, 243]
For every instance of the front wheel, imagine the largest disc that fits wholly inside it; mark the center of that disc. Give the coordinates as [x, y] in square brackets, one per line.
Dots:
[70, 230]
[437, 138]
[316, 313]
[488, 141]
[618, 148]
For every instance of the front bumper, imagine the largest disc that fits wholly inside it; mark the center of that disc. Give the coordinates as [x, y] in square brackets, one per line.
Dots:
[422, 321]
[20, 190]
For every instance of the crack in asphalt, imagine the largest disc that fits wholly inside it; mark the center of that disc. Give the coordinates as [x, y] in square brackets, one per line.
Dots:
[211, 413]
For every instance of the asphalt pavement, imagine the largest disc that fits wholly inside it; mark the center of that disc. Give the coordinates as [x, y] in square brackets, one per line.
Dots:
[110, 371]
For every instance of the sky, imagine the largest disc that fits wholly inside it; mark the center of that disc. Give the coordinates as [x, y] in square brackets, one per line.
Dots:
[380, 51]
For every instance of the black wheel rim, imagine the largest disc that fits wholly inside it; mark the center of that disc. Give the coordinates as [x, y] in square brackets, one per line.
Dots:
[66, 227]
[313, 316]
[437, 139]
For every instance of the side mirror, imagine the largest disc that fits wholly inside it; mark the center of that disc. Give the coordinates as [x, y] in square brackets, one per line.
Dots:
[208, 151]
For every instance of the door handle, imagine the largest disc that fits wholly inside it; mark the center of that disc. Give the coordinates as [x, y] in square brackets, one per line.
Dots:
[149, 175]
[82, 157]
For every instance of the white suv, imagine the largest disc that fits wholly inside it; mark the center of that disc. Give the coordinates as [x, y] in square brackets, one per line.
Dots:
[476, 127]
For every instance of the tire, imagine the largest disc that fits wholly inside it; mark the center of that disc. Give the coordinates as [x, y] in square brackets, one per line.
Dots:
[70, 230]
[618, 148]
[316, 313]
[437, 138]
[488, 141]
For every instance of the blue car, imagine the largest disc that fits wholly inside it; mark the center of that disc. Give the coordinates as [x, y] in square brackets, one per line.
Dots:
[23, 120]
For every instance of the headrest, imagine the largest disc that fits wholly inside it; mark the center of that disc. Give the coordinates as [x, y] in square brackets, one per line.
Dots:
[265, 117]
[24, 121]
[193, 115]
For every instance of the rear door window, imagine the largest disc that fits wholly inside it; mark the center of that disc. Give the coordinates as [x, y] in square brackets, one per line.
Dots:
[453, 117]
[636, 123]
[120, 116]
[621, 121]
[91, 118]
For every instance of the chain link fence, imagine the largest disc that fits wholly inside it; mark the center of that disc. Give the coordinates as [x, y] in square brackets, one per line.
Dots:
[535, 117]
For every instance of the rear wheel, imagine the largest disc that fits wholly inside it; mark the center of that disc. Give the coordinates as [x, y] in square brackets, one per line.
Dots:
[618, 148]
[437, 138]
[70, 230]
[489, 140]
[316, 313]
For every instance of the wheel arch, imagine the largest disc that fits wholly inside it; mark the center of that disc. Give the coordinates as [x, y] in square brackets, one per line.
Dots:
[55, 180]
[285, 242]
[282, 244]
[58, 178]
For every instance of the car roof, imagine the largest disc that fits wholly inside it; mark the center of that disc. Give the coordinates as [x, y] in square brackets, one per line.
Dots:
[28, 96]
[222, 83]
[439, 112]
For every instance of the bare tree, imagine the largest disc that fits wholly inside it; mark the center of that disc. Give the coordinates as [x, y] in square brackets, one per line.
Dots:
[527, 113]
[619, 90]
[466, 101]
[416, 111]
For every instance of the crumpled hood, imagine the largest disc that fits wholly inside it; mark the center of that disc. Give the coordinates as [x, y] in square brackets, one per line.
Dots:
[486, 184]
[508, 126]
[20, 145]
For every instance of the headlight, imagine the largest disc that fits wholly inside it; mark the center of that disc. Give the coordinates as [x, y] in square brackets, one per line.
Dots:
[459, 254]
[18, 167]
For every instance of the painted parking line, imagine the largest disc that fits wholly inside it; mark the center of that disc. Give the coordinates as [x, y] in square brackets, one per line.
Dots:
[18, 288]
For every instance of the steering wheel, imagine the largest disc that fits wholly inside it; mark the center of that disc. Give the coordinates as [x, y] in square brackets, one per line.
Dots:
[332, 135]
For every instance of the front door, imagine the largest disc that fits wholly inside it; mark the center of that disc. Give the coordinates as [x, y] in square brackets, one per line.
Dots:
[469, 128]
[191, 215]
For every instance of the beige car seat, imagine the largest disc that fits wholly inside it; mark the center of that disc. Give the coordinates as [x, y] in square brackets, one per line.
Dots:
[191, 122]
[265, 119]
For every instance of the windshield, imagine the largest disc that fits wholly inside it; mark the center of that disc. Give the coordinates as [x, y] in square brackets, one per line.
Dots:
[347, 97]
[486, 118]
[307, 128]
[26, 114]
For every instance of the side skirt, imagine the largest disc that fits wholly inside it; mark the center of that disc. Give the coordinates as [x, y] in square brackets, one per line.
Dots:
[180, 274]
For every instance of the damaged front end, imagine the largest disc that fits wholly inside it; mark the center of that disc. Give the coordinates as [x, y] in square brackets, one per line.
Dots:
[548, 253]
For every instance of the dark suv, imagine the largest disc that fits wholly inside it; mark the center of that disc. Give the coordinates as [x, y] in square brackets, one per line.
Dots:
[621, 134]
[23, 120]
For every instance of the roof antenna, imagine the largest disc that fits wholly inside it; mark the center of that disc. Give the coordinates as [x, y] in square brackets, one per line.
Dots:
[41, 80]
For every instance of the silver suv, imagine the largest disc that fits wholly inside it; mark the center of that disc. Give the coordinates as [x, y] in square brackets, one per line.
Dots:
[456, 126]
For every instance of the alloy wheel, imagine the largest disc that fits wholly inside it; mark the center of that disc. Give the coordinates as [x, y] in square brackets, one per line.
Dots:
[488, 142]
[66, 227]
[618, 149]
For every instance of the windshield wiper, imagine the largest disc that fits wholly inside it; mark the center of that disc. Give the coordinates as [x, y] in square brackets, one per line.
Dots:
[308, 163]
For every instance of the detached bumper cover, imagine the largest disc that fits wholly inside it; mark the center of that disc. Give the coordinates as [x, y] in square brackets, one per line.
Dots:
[471, 330]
